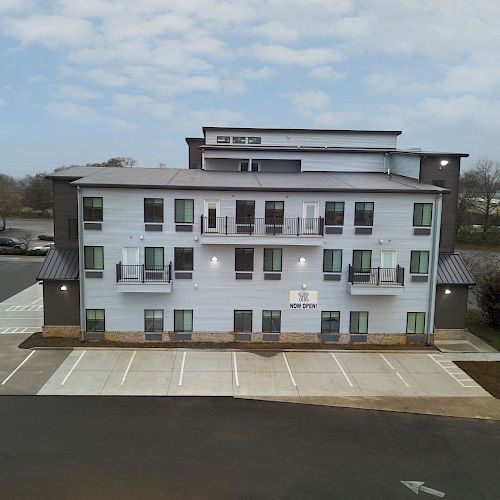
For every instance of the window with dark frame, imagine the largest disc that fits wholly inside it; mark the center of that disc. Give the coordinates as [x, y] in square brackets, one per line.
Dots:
[332, 261]
[358, 322]
[245, 211]
[254, 165]
[419, 262]
[239, 140]
[254, 140]
[242, 321]
[422, 214]
[183, 258]
[183, 320]
[274, 212]
[415, 322]
[92, 209]
[184, 211]
[243, 259]
[95, 320]
[153, 320]
[363, 213]
[334, 213]
[94, 257]
[223, 139]
[153, 209]
[154, 258]
[271, 321]
[361, 260]
[273, 259]
[330, 321]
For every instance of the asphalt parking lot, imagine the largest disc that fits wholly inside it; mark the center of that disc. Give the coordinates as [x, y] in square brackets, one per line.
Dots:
[17, 272]
[22, 312]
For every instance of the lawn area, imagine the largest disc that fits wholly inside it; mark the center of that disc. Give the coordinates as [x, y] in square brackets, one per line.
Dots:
[485, 247]
[485, 373]
[478, 325]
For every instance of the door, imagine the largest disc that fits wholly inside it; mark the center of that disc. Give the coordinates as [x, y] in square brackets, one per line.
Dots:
[310, 213]
[212, 216]
[130, 263]
[388, 266]
[245, 216]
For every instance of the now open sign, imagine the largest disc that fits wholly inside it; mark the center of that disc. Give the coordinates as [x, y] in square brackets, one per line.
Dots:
[303, 299]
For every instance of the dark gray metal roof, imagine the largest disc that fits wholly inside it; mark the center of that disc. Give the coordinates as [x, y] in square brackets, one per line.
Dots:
[72, 172]
[212, 180]
[60, 265]
[453, 271]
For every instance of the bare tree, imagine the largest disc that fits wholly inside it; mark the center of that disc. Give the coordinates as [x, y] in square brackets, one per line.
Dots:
[26, 239]
[487, 177]
[466, 199]
[10, 198]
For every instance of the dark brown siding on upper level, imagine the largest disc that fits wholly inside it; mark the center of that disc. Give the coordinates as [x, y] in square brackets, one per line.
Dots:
[449, 175]
[451, 309]
[194, 144]
[65, 214]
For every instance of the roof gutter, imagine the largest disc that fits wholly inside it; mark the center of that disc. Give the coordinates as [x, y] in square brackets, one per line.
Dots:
[81, 264]
[434, 260]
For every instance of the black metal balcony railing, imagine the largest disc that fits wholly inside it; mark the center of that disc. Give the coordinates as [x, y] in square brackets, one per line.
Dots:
[378, 276]
[288, 226]
[143, 274]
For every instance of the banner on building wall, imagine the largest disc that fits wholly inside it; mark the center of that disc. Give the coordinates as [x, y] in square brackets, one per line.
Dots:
[303, 299]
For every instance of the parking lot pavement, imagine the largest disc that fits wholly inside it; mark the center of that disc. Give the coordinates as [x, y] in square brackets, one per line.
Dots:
[251, 374]
[23, 312]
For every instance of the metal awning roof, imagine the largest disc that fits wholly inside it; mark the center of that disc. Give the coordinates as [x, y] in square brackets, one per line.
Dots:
[453, 271]
[60, 265]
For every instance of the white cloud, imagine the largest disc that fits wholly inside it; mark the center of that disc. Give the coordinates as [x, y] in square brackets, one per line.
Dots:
[279, 54]
[327, 73]
[213, 117]
[142, 104]
[77, 93]
[3, 103]
[263, 73]
[309, 101]
[276, 31]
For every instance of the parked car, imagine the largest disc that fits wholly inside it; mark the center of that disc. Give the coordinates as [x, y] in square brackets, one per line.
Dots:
[43, 248]
[10, 242]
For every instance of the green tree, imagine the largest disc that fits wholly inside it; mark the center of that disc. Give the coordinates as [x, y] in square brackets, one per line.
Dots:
[488, 295]
[37, 192]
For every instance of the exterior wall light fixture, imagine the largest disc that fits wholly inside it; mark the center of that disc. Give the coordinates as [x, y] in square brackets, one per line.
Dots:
[304, 286]
[447, 291]
[214, 259]
[64, 288]
[444, 163]
[302, 260]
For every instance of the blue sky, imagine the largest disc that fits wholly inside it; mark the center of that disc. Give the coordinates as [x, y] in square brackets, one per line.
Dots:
[85, 80]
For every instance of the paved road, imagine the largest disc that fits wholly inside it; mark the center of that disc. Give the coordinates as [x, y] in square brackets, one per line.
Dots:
[17, 273]
[15, 227]
[221, 448]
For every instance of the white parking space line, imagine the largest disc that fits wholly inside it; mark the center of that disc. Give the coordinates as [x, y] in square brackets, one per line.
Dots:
[404, 381]
[288, 368]
[128, 367]
[18, 366]
[342, 369]
[18, 329]
[182, 367]
[397, 373]
[387, 361]
[442, 362]
[73, 367]
[235, 365]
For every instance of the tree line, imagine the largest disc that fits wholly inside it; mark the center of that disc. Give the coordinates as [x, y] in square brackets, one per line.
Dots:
[31, 196]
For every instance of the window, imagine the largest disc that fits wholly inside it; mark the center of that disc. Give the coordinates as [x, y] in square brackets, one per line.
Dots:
[271, 321]
[358, 322]
[94, 257]
[223, 139]
[239, 140]
[363, 214]
[153, 320]
[415, 322]
[94, 320]
[72, 228]
[242, 321]
[332, 261]
[183, 259]
[330, 321]
[184, 211]
[419, 263]
[153, 258]
[183, 320]
[254, 140]
[245, 211]
[153, 209]
[92, 209]
[361, 259]
[254, 165]
[272, 259]
[274, 213]
[422, 214]
[243, 259]
[334, 213]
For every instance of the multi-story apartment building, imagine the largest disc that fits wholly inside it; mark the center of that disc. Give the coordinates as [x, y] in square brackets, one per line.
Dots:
[270, 234]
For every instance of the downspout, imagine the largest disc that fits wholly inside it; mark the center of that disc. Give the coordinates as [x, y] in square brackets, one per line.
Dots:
[433, 266]
[81, 264]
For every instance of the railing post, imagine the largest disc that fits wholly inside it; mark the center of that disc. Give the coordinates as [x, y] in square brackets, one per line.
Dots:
[321, 226]
[117, 273]
[169, 272]
[298, 226]
[142, 270]
[378, 276]
[226, 225]
[201, 230]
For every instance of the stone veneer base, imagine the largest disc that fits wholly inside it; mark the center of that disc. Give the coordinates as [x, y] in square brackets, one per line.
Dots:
[61, 331]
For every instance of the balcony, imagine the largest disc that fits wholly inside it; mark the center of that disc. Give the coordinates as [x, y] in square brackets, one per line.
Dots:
[255, 231]
[376, 281]
[141, 278]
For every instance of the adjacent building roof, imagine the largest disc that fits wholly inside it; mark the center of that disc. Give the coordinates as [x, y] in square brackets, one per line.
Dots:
[312, 130]
[212, 180]
[453, 271]
[72, 172]
[60, 265]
